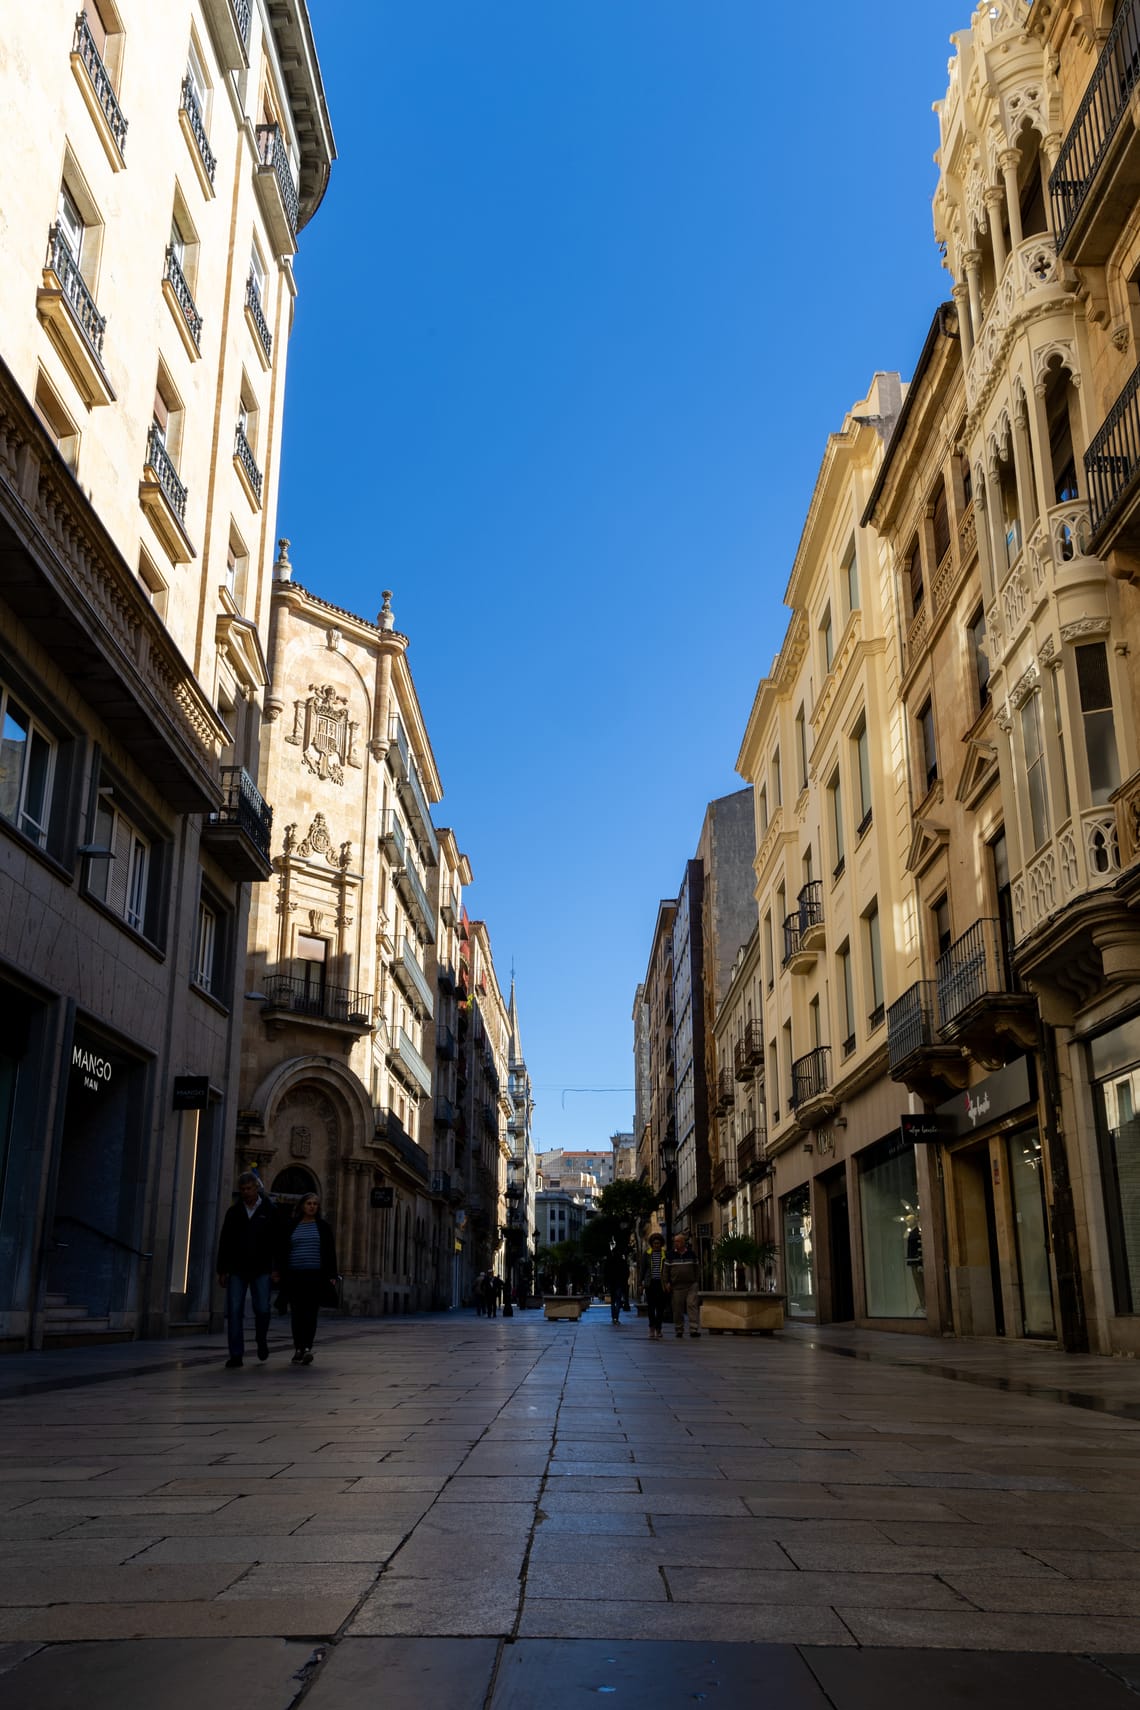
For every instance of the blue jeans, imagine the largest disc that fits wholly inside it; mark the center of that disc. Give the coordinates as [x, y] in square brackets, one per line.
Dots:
[235, 1310]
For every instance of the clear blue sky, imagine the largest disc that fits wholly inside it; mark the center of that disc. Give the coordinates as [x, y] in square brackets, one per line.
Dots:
[593, 281]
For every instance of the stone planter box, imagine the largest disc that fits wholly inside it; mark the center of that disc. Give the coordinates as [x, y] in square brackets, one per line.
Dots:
[563, 1306]
[761, 1313]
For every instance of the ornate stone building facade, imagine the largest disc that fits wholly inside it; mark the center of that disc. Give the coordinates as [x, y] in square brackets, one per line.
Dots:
[163, 162]
[337, 1069]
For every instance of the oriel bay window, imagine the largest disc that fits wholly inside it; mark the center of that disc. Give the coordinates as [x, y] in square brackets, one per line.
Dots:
[1036, 781]
[1095, 691]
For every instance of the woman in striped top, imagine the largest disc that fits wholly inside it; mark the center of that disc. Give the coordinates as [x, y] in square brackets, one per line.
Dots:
[307, 1263]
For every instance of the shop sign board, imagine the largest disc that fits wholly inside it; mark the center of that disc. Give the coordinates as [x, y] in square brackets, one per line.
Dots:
[191, 1092]
[916, 1128]
[997, 1095]
[91, 1067]
[382, 1198]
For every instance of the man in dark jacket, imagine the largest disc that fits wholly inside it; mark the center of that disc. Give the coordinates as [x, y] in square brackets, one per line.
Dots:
[245, 1259]
[682, 1280]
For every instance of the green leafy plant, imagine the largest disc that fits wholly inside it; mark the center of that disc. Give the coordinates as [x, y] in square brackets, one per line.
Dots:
[738, 1255]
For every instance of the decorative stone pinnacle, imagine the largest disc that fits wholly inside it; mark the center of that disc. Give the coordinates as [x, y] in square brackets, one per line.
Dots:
[385, 619]
[282, 569]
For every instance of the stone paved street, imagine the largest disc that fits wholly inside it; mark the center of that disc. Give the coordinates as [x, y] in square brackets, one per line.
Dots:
[455, 1512]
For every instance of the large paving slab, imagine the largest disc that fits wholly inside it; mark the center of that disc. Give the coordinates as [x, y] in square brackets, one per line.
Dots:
[444, 1515]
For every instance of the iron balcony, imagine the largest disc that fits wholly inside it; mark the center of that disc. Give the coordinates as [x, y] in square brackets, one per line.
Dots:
[238, 834]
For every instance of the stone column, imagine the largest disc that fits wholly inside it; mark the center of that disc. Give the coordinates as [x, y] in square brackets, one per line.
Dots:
[993, 199]
[1009, 161]
[973, 263]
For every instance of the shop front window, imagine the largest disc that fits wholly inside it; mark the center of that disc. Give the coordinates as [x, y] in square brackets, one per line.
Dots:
[799, 1261]
[1116, 1072]
[892, 1236]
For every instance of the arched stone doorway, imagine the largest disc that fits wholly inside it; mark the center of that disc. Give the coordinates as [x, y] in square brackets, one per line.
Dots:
[293, 1183]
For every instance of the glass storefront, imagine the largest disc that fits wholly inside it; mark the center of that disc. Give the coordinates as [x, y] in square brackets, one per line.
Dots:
[1028, 1188]
[1116, 1073]
[799, 1279]
[892, 1237]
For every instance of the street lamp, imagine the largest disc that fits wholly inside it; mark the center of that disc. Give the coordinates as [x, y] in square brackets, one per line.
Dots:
[514, 1199]
[669, 1164]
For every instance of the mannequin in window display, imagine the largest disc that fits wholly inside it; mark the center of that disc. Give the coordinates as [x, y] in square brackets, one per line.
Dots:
[914, 1264]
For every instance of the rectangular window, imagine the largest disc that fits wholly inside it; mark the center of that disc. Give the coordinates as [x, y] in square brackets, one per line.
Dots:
[763, 808]
[769, 970]
[850, 573]
[311, 956]
[1009, 507]
[874, 965]
[55, 418]
[862, 748]
[912, 580]
[835, 814]
[206, 946]
[846, 997]
[940, 924]
[827, 639]
[777, 781]
[27, 768]
[940, 524]
[1095, 690]
[801, 747]
[928, 754]
[1035, 778]
[814, 1032]
[979, 659]
[119, 875]
[72, 228]
[1059, 727]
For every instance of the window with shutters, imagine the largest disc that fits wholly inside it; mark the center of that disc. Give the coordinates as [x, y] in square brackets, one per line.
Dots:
[1095, 690]
[206, 947]
[119, 871]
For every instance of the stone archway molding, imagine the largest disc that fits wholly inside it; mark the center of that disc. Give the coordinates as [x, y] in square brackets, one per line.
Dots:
[338, 1080]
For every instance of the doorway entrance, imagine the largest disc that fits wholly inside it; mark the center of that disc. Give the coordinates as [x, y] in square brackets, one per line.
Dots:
[839, 1250]
[978, 1268]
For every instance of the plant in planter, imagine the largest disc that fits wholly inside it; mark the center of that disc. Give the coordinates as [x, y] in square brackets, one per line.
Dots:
[742, 1304]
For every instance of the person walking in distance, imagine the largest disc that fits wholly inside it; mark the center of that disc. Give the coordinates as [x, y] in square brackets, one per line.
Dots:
[245, 1261]
[653, 1267]
[681, 1280]
[616, 1274]
[307, 1261]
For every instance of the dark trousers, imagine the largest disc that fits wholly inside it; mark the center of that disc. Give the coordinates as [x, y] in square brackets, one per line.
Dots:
[656, 1300]
[258, 1288]
[304, 1288]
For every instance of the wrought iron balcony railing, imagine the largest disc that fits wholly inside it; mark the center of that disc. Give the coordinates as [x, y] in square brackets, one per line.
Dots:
[445, 1111]
[1113, 459]
[100, 81]
[197, 125]
[244, 805]
[162, 463]
[725, 1089]
[811, 1076]
[183, 294]
[974, 967]
[1098, 118]
[322, 1003]
[271, 151]
[912, 1022]
[746, 1151]
[243, 451]
[257, 315]
[79, 299]
[807, 916]
[748, 1052]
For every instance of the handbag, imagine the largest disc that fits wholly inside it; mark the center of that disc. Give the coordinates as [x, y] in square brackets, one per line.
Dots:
[330, 1292]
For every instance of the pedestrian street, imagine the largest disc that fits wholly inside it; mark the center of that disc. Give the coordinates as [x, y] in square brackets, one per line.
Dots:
[447, 1510]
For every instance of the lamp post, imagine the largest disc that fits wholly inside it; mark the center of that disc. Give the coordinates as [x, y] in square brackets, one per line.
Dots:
[514, 1199]
[669, 1165]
